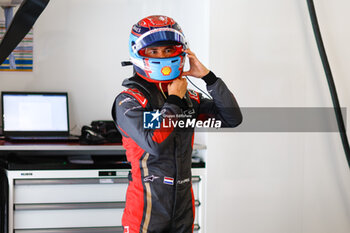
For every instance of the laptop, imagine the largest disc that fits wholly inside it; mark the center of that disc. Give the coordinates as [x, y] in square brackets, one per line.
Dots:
[35, 116]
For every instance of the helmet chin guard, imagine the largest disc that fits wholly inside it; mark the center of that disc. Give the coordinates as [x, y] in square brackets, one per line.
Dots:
[152, 31]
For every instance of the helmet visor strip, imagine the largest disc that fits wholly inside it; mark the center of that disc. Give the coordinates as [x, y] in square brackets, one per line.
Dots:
[157, 35]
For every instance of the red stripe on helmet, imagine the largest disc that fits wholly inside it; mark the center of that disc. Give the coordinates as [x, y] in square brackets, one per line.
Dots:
[153, 80]
[136, 34]
[156, 21]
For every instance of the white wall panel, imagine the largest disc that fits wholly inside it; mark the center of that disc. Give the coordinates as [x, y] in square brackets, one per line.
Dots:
[278, 182]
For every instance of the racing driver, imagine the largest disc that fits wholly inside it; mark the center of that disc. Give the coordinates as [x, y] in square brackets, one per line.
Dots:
[159, 197]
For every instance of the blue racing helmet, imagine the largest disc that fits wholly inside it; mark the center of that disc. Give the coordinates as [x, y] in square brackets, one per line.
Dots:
[157, 30]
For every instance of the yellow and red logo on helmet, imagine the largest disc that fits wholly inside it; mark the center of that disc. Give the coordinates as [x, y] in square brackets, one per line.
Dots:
[166, 70]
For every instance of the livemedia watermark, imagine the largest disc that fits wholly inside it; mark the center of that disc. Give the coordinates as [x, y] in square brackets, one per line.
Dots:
[261, 119]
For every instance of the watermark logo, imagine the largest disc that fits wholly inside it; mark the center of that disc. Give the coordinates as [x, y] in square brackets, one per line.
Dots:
[151, 120]
[150, 178]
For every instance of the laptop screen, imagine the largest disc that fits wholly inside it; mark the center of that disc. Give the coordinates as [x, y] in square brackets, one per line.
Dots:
[35, 113]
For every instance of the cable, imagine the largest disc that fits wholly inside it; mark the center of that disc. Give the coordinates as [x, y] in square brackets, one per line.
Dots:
[199, 88]
[330, 80]
[24, 19]
[161, 89]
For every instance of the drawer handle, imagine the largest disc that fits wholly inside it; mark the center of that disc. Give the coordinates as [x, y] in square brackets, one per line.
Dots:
[70, 206]
[196, 179]
[196, 227]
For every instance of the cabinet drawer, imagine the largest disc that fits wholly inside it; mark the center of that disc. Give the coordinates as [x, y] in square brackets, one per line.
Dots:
[29, 219]
[196, 215]
[74, 190]
[118, 229]
[53, 193]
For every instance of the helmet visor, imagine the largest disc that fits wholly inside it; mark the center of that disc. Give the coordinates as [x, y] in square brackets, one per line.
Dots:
[158, 35]
[167, 50]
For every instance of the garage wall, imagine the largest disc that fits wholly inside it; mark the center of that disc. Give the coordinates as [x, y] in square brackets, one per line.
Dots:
[278, 182]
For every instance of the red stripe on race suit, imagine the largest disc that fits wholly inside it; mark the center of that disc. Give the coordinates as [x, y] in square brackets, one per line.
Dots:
[204, 116]
[134, 206]
[159, 135]
[194, 95]
[123, 131]
[193, 209]
[137, 95]
[192, 141]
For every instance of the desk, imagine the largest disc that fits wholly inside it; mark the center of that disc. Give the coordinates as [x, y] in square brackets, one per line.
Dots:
[54, 188]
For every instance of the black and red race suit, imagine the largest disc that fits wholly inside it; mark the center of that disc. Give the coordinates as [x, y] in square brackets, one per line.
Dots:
[159, 197]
